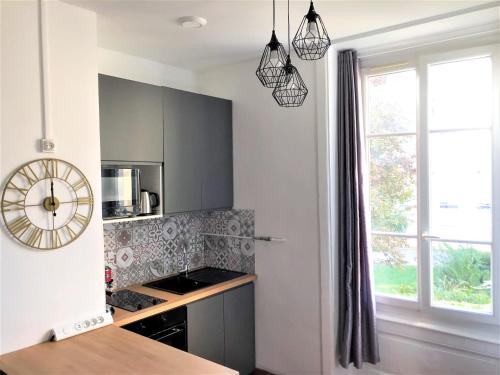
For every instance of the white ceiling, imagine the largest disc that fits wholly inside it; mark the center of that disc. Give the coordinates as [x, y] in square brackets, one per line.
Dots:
[237, 30]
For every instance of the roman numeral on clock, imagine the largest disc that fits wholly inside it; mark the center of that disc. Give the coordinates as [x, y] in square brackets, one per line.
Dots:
[55, 239]
[35, 237]
[84, 200]
[13, 186]
[29, 175]
[78, 185]
[12, 205]
[80, 219]
[51, 168]
[18, 226]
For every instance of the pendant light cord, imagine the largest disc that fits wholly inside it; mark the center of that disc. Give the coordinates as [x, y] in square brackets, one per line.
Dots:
[288, 27]
[274, 17]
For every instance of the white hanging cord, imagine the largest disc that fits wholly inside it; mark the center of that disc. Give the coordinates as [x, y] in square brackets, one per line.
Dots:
[45, 74]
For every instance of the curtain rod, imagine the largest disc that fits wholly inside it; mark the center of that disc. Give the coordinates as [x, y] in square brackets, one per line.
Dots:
[417, 22]
[426, 44]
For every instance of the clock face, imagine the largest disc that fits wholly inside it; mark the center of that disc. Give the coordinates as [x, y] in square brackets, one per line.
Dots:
[47, 203]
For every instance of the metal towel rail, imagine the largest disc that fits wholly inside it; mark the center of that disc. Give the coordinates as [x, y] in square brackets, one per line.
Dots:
[256, 238]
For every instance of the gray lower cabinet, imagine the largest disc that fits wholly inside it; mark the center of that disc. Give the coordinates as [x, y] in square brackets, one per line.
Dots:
[239, 329]
[206, 328]
[198, 152]
[131, 120]
[222, 329]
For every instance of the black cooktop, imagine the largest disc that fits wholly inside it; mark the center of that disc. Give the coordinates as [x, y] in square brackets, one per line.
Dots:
[131, 301]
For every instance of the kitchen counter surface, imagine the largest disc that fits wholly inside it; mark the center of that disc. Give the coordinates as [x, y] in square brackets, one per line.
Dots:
[122, 317]
[108, 350]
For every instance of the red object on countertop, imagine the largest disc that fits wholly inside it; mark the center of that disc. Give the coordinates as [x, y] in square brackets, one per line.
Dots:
[108, 277]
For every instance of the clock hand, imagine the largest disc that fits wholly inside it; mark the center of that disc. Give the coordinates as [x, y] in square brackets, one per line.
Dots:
[53, 203]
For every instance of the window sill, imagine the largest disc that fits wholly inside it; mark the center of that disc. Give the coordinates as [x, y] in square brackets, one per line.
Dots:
[478, 338]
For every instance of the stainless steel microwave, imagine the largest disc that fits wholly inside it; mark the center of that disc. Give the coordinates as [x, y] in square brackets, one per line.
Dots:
[121, 189]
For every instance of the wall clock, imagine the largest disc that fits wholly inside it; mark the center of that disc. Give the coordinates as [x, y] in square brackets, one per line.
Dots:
[47, 203]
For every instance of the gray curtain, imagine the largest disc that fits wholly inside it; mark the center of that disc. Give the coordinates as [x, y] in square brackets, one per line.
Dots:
[358, 341]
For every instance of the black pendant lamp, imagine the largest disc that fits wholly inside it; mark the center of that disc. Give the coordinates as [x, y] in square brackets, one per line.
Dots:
[290, 90]
[311, 40]
[273, 59]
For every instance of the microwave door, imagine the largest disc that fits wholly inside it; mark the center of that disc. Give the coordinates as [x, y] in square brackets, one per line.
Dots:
[120, 192]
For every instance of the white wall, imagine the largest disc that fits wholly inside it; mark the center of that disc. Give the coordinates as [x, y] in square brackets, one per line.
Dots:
[275, 173]
[119, 64]
[41, 289]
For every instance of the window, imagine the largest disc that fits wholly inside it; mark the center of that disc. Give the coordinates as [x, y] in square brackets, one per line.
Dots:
[430, 130]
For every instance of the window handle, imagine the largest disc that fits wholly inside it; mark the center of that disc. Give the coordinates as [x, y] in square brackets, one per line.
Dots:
[427, 236]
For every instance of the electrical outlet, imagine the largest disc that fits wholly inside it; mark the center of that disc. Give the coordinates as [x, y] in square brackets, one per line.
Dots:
[47, 145]
[81, 326]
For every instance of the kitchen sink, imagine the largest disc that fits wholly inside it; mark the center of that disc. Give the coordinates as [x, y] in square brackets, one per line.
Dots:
[213, 275]
[177, 284]
[194, 280]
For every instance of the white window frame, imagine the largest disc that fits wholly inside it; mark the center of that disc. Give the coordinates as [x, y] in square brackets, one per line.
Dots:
[422, 307]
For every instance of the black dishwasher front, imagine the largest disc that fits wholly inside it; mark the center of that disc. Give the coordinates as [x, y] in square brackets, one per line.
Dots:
[169, 327]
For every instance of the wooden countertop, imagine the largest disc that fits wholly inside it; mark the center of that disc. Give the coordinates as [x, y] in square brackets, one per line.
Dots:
[108, 350]
[122, 317]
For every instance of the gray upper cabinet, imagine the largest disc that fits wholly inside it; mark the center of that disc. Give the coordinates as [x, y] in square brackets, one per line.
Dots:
[217, 184]
[131, 120]
[206, 328]
[198, 152]
[184, 116]
[239, 329]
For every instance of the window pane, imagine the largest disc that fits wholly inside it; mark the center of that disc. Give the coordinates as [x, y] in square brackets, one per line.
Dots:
[460, 199]
[395, 266]
[460, 94]
[391, 102]
[462, 276]
[393, 177]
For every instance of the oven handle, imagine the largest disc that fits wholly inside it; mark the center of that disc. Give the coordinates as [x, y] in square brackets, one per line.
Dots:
[168, 332]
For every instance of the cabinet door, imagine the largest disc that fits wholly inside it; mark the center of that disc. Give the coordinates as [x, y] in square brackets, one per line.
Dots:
[206, 328]
[184, 115]
[217, 189]
[131, 120]
[239, 328]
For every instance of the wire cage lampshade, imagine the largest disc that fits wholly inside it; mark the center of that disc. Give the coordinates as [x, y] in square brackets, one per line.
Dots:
[290, 91]
[311, 40]
[272, 61]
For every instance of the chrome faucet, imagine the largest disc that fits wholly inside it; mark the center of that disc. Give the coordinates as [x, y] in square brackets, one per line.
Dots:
[186, 259]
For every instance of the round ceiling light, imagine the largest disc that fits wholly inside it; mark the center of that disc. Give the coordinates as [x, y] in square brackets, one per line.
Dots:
[192, 22]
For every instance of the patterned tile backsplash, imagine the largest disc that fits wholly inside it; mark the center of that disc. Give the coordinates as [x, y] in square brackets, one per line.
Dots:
[141, 251]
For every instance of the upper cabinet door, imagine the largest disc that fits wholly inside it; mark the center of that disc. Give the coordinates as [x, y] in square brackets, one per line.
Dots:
[131, 120]
[184, 114]
[217, 190]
